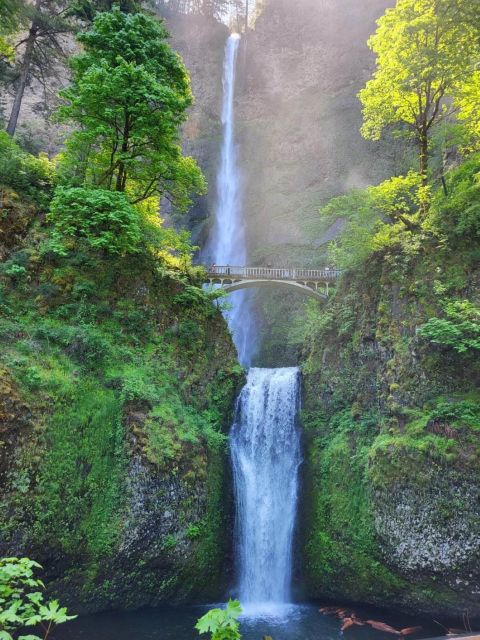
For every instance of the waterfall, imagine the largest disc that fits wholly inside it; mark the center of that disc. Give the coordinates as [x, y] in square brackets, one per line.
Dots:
[227, 242]
[265, 448]
[265, 451]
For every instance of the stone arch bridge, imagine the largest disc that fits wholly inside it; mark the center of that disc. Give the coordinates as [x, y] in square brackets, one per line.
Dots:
[311, 282]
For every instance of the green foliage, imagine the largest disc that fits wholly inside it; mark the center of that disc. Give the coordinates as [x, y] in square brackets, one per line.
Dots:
[401, 197]
[86, 10]
[355, 242]
[468, 103]
[397, 200]
[456, 216]
[117, 363]
[461, 413]
[425, 51]
[22, 602]
[459, 329]
[222, 624]
[129, 96]
[29, 176]
[79, 477]
[193, 532]
[341, 547]
[105, 219]
[11, 14]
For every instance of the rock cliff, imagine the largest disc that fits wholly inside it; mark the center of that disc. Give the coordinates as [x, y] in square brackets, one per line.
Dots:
[116, 388]
[392, 438]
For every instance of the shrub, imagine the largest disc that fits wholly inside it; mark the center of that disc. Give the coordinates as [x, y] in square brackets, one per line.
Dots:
[460, 329]
[30, 176]
[21, 600]
[222, 623]
[458, 213]
[105, 219]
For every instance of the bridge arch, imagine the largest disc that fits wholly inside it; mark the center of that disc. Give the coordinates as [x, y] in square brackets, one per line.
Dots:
[313, 283]
[304, 289]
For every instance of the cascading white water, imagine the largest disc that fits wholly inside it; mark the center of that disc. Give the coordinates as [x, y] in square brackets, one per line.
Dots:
[265, 450]
[227, 242]
[265, 446]
[228, 239]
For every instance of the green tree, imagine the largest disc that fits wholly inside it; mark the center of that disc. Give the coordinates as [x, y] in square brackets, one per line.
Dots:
[426, 50]
[129, 95]
[105, 219]
[86, 10]
[11, 14]
[42, 47]
[468, 103]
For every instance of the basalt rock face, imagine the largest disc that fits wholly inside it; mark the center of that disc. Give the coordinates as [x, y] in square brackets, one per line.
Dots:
[432, 528]
[201, 42]
[299, 118]
[298, 121]
[391, 509]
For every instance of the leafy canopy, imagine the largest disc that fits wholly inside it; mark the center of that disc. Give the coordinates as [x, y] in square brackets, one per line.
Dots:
[87, 9]
[129, 96]
[11, 15]
[222, 624]
[29, 175]
[468, 103]
[456, 217]
[374, 217]
[426, 50]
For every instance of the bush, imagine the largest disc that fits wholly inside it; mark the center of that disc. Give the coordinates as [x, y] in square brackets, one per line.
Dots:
[221, 623]
[21, 600]
[30, 176]
[460, 329]
[105, 219]
[458, 213]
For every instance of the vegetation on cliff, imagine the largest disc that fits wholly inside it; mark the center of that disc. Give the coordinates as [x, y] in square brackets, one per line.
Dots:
[392, 410]
[117, 370]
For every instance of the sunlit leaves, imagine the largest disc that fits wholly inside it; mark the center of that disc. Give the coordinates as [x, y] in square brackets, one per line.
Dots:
[222, 624]
[426, 50]
[374, 217]
[468, 103]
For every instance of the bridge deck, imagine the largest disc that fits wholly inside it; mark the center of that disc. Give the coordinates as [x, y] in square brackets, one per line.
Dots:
[269, 273]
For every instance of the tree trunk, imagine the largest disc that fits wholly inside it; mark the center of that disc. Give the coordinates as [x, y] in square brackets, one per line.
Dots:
[246, 17]
[122, 169]
[24, 72]
[423, 153]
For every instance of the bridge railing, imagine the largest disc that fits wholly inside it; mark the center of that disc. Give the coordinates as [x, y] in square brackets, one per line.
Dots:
[270, 273]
